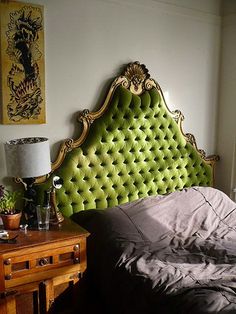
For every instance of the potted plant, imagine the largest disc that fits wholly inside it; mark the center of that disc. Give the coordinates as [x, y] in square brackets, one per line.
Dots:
[9, 213]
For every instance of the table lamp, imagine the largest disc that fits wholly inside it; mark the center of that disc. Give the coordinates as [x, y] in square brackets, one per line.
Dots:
[28, 158]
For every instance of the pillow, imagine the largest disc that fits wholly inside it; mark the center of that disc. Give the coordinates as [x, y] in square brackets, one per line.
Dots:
[202, 211]
[111, 233]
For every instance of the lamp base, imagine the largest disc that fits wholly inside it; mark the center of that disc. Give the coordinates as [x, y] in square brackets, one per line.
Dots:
[29, 210]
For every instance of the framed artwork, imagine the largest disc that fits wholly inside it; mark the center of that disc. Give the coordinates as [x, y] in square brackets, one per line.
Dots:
[22, 63]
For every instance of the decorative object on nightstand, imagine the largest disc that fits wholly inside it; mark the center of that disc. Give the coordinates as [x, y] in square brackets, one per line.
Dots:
[56, 216]
[8, 211]
[28, 158]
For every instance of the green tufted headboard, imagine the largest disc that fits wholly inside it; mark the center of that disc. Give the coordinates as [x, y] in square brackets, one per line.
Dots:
[132, 147]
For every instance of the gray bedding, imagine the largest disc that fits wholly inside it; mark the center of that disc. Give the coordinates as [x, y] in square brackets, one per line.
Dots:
[165, 254]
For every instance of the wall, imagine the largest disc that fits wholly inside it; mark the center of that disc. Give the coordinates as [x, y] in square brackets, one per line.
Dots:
[226, 144]
[87, 41]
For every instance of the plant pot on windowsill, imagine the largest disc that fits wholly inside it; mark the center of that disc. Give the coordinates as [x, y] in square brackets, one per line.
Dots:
[11, 221]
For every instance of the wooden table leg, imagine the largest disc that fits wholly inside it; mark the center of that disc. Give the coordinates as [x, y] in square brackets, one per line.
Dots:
[8, 305]
[46, 296]
[3, 307]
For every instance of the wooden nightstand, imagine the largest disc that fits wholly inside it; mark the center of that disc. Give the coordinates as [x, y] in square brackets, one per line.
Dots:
[39, 261]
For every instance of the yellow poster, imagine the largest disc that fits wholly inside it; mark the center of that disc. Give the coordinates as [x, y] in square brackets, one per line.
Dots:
[22, 63]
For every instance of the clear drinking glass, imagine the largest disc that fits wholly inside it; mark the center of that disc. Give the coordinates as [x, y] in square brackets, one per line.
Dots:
[43, 215]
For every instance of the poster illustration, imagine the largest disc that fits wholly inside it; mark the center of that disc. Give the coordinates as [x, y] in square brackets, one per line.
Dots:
[22, 63]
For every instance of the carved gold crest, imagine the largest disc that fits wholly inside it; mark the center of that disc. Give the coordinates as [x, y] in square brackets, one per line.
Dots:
[137, 74]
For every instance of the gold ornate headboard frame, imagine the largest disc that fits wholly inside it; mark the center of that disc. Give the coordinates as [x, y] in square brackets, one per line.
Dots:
[136, 79]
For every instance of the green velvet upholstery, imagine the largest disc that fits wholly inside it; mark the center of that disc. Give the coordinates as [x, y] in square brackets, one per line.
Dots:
[133, 150]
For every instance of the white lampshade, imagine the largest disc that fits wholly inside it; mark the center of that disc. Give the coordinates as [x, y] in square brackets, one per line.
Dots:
[28, 157]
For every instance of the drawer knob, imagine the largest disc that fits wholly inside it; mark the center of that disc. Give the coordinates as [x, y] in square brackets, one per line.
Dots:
[8, 277]
[7, 261]
[76, 247]
[43, 261]
[76, 260]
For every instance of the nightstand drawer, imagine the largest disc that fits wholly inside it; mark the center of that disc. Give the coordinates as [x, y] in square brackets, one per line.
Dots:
[44, 262]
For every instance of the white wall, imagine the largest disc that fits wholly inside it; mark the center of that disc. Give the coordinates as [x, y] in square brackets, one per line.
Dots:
[226, 145]
[87, 41]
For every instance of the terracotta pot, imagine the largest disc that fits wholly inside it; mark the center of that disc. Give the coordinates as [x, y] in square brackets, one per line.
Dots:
[11, 222]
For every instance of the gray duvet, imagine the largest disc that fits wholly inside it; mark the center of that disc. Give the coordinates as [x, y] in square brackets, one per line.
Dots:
[165, 254]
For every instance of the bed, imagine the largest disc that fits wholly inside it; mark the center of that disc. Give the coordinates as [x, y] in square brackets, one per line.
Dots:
[162, 238]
